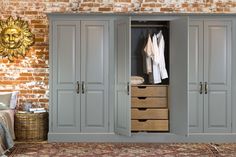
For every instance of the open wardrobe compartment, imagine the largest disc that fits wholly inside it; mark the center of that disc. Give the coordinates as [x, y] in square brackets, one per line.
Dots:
[157, 100]
[149, 76]
[142, 78]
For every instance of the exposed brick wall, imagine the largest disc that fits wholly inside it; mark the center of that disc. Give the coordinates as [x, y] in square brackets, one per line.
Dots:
[30, 75]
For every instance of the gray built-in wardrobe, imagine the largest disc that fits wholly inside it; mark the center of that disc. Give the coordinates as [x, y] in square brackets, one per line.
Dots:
[92, 58]
[210, 54]
[80, 74]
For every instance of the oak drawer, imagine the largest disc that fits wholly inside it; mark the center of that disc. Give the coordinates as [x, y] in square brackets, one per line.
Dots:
[143, 91]
[148, 102]
[149, 113]
[150, 125]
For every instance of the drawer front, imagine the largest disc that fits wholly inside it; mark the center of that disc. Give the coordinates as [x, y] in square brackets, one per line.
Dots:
[143, 91]
[149, 113]
[148, 102]
[150, 125]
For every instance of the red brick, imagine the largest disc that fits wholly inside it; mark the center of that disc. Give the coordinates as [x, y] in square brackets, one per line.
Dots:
[124, 1]
[40, 74]
[86, 5]
[5, 82]
[85, 1]
[195, 5]
[105, 9]
[39, 91]
[40, 26]
[31, 12]
[43, 100]
[22, 78]
[62, 0]
[150, 1]
[25, 74]
[39, 39]
[166, 9]
[26, 91]
[149, 5]
[36, 21]
[184, 5]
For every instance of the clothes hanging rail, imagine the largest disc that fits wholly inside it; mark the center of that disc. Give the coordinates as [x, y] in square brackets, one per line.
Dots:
[149, 25]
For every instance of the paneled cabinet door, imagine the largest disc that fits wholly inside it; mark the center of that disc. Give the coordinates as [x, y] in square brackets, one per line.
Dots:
[217, 75]
[178, 96]
[196, 77]
[94, 76]
[210, 76]
[123, 72]
[66, 72]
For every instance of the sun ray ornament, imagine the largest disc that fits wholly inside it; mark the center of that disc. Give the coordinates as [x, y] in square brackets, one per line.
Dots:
[15, 38]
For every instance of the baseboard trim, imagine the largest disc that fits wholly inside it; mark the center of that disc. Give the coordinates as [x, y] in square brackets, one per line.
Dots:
[142, 138]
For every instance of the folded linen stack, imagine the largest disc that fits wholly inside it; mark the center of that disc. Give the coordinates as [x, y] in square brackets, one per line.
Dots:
[135, 80]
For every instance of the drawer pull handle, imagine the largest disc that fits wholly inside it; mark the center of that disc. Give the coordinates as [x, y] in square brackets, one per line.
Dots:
[141, 86]
[142, 109]
[142, 97]
[142, 120]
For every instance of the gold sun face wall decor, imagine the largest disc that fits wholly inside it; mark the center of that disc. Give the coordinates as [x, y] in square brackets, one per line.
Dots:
[15, 38]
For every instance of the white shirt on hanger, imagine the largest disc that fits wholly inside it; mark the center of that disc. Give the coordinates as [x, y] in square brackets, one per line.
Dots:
[161, 57]
[156, 69]
[148, 55]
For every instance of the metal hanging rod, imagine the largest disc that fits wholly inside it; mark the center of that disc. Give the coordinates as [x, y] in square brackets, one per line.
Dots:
[149, 25]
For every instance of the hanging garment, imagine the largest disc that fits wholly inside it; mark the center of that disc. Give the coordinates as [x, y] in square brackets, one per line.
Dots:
[161, 57]
[148, 56]
[155, 63]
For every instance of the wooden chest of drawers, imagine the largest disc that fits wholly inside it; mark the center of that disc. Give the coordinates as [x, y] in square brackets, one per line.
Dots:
[149, 108]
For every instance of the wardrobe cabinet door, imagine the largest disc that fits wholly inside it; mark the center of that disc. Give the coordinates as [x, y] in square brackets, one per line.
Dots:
[195, 74]
[217, 75]
[94, 76]
[123, 72]
[65, 101]
[178, 87]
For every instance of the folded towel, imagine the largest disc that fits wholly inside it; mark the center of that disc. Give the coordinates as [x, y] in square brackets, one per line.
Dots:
[135, 80]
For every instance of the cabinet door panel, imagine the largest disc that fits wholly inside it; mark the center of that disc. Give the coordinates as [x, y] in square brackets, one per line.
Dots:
[94, 75]
[195, 76]
[95, 42]
[217, 113]
[66, 54]
[93, 112]
[66, 104]
[123, 72]
[178, 88]
[66, 107]
[217, 73]
[195, 112]
[217, 54]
